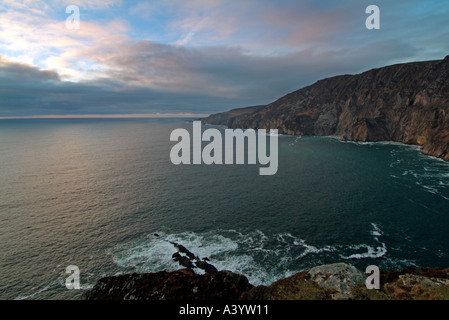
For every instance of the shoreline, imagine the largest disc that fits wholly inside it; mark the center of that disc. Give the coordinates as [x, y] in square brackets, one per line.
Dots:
[337, 281]
[340, 139]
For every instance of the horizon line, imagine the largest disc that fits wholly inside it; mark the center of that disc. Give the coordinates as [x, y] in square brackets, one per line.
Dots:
[110, 116]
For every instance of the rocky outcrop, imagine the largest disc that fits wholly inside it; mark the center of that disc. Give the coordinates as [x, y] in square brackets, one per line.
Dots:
[339, 277]
[183, 284]
[406, 103]
[338, 281]
[189, 260]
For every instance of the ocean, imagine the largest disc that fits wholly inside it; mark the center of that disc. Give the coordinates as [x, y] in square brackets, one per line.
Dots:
[102, 194]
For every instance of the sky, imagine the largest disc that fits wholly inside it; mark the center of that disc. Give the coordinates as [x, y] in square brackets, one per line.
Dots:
[196, 57]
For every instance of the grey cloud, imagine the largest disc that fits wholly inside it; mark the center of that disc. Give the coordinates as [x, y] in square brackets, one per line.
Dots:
[317, 39]
[26, 90]
[145, 77]
[229, 72]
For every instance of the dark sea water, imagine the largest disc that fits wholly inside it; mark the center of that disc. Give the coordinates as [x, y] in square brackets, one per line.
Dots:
[93, 193]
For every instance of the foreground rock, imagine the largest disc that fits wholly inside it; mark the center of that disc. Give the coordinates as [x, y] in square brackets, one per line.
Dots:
[406, 103]
[178, 285]
[338, 281]
[338, 277]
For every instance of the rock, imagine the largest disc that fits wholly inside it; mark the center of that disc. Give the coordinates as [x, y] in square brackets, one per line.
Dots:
[182, 260]
[298, 286]
[340, 277]
[206, 266]
[437, 274]
[335, 281]
[190, 260]
[229, 117]
[178, 285]
[184, 250]
[410, 280]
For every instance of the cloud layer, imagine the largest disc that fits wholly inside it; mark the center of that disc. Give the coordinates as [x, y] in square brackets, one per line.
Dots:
[197, 56]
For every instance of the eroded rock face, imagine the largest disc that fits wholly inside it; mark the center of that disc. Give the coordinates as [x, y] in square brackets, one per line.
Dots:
[406, 103]
[339, 277]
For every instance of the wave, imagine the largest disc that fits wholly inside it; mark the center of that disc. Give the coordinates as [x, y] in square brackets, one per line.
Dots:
[371, 251]
[376, 230]
[424, 171]
[27, 297]
[386, 143]
[297, 139]
[262, 258]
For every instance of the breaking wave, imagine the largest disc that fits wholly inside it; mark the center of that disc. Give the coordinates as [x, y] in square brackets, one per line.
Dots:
[262, 258]
[429, 173]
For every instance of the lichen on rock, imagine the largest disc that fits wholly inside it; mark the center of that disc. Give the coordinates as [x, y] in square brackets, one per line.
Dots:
[339, 277]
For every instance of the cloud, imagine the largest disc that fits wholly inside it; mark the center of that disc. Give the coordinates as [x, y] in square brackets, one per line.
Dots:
[197, 55]
[91, 4]
[44, 6]
[143, 77]
[46, 41]
[27, 90]
[232, 73]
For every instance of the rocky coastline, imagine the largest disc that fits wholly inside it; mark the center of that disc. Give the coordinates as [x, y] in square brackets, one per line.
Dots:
[338, 281]
[406, 103]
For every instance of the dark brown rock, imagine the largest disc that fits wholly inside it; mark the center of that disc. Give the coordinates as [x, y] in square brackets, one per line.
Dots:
[184, 250]
[183, 261]
[190, 260]
[178, 285]
[205, 266]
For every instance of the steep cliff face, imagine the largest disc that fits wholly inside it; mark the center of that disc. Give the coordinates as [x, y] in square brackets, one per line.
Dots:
[406, 103]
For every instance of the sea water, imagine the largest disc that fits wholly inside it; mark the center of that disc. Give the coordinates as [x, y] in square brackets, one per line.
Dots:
[102, 194]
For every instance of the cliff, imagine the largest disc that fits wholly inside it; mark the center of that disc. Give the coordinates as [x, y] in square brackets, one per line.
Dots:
[407, 103]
